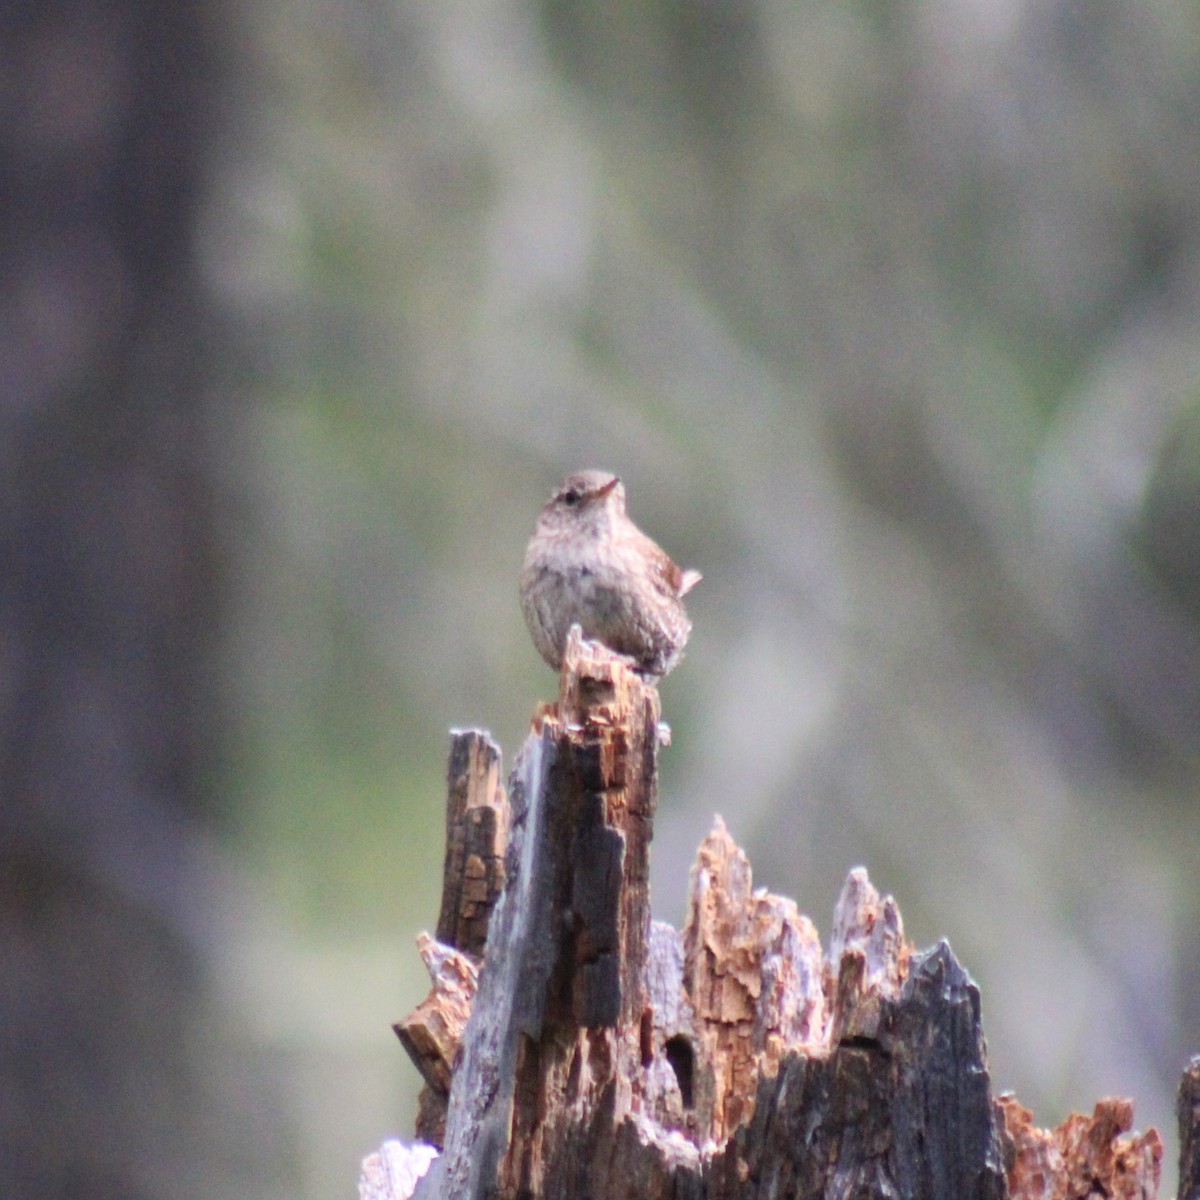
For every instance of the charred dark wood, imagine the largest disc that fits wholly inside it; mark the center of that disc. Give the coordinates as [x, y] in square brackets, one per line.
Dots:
[903, 1112]
[607, 1056]
[1188, 1111]
[554, 1035]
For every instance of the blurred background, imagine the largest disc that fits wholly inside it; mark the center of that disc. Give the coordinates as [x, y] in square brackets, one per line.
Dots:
[887, 313]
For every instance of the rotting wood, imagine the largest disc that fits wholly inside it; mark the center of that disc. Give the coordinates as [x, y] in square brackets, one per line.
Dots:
[476, 837]
[754, 973]
[477, 819]
[432, 1034]
[553, 1045]
[609, 1056]
[1188, 1112]
[1084, 1156]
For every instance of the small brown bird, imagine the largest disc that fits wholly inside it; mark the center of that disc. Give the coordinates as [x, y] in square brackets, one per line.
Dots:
[589, 564]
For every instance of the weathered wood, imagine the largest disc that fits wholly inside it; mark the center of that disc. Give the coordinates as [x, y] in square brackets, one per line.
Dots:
[755, 973]
[607, 1056]
[881, 1093]
[1083, 1157]
[555, 1032]
[1188, 1112]
[477, 819]
[432, 1034]
[393, 1171]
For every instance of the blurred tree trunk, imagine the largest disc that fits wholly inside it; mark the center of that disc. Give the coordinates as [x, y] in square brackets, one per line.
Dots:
[107, 599]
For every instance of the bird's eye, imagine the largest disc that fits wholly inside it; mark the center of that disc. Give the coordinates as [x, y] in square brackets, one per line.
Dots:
[571, 498]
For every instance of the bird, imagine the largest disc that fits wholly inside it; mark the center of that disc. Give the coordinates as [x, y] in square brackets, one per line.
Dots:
[588, 564]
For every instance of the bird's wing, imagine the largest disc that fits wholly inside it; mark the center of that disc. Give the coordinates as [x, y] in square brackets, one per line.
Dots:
[669, 578]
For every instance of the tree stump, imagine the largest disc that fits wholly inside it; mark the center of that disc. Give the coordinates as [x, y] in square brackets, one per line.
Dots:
[573, 1048]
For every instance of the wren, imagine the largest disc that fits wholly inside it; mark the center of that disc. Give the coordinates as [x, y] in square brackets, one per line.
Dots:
[588, 564]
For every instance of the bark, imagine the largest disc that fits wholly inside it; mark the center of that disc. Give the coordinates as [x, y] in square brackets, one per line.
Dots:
[609, 1056]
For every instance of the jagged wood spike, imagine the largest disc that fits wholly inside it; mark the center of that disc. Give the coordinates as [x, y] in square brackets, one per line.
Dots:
[607, 1057]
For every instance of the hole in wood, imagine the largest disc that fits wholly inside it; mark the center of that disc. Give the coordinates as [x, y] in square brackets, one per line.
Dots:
[682, 1059]
[860, 1042]
[646, 1036]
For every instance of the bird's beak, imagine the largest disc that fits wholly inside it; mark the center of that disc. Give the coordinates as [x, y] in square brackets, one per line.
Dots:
[608, 487]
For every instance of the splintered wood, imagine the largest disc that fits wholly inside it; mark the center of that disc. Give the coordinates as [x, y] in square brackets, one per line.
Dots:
[755, 976]
[476, 837]
[432, 1034]
[477, 818]
[609, 1056]
[1084, 1156]
[1188, 1112]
